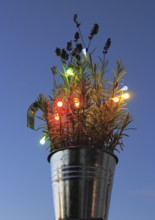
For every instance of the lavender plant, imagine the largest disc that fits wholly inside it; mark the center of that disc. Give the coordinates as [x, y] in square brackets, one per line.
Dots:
[86, 108]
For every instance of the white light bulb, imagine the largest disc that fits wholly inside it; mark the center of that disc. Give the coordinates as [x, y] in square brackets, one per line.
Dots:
[84, 51]
[125, 88]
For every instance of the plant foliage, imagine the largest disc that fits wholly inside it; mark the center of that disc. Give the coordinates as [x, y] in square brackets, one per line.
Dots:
[87, 113]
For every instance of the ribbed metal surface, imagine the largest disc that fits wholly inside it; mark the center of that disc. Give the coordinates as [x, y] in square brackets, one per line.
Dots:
[82, 182]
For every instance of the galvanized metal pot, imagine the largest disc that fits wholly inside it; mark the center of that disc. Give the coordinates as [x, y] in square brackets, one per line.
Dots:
[82, 182]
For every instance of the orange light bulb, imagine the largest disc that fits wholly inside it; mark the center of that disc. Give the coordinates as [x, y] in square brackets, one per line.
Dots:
[59, 104]
[56, 116]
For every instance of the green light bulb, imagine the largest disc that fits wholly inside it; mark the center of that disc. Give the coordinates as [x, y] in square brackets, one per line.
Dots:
[43, 140]
[70, 71]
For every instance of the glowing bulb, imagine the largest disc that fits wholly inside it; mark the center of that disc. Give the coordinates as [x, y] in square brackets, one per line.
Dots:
[125, 95]
[76, 102]
[59, 104]
[56, 116]
[70, 71]
[115, 99]
[84, 51]
[43, 140]
[125, 88]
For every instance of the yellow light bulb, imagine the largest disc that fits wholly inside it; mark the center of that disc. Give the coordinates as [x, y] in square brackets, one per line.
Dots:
[76, 102]
[125, 95]
[56, 116]
[59, 104]
[115, 99]
[43, 140]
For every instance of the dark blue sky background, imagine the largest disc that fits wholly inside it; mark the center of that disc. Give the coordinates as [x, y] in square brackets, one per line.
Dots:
[30, 30]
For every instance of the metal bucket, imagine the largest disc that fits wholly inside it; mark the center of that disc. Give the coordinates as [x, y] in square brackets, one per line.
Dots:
[82, 182]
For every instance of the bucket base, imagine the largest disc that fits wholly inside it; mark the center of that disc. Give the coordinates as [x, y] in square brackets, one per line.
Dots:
[82, 219]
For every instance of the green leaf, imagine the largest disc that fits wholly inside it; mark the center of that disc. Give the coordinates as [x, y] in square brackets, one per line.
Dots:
[31, 113]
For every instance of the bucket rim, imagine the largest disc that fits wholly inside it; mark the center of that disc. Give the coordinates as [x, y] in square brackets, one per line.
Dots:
[81, 147]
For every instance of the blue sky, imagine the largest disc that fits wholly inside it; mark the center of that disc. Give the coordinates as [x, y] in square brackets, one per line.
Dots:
[29, 33]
